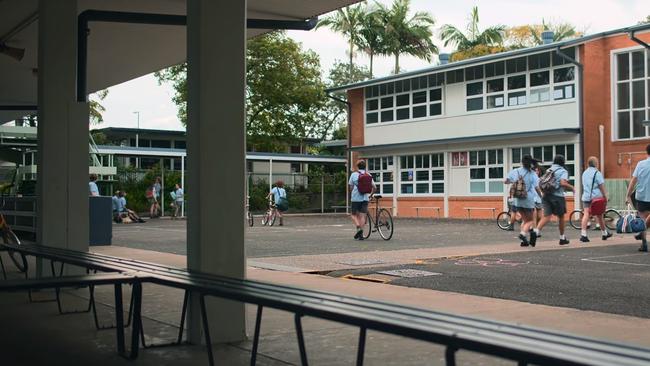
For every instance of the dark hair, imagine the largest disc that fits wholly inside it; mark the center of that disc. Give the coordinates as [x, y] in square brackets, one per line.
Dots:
[647, 149]
[93, 177]
[527, 161]
[361, 164]
[559, 160]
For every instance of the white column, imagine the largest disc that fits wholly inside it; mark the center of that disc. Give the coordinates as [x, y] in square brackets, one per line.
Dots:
[395, 186]
[445, 200]
[62, 173]
[183, 185]
[216, 46]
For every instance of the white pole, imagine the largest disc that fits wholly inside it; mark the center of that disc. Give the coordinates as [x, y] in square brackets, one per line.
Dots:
[183, 185]
[270, 174]
[162, 187]
[322, 193]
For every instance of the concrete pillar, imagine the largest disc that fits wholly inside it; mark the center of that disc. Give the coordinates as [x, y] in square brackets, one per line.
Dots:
[216, 44]
[62, 173]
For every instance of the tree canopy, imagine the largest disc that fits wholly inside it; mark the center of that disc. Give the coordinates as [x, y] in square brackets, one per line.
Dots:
[473, 42]
[348, 22]
[530, 35]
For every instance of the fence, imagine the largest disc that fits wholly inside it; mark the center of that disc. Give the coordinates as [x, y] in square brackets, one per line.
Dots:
[306, 192]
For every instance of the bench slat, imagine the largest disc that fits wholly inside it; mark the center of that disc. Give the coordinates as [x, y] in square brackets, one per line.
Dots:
[67, 281]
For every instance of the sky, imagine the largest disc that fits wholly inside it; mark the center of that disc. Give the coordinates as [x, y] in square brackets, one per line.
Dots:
[157, 111]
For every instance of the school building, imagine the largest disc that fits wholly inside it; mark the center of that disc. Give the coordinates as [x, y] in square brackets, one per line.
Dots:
[440, 141]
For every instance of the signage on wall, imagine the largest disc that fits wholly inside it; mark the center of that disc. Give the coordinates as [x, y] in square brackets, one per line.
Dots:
[459, 158]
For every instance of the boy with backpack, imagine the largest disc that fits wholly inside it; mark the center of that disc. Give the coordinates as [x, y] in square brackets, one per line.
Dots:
[553, 184]
[362, 186]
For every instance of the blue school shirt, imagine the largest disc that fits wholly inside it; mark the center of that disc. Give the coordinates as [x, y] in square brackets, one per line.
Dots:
[642, 174]
[589, 190]
[277, 193]
[531, 180]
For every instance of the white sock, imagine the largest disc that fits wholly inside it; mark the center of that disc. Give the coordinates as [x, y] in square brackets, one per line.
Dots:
[583, 232]
[522, 233]
[563, 237]
[605, 232]
[536, 231]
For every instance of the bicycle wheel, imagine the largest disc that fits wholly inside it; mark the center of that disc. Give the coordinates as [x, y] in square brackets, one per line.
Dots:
[367, 228]
[19, 259]
[265, 218]
[272, 218]
[503, 220]
[611, 217]
[575, 219]
[385, 224]
[251, 220]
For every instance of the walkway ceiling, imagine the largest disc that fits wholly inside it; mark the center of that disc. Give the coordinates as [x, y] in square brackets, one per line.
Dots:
[119, 52]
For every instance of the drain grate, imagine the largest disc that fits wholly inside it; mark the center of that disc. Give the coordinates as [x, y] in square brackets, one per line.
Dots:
[361, 262]
[410, 273]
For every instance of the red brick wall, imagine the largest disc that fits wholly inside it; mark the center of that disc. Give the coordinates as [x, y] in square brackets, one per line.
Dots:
[595, 57]
[406, 206]
[355, 97]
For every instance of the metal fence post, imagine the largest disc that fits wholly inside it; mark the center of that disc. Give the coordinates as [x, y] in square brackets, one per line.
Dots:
[322, 193]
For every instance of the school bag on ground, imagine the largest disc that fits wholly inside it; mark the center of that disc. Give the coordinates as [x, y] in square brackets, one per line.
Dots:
[364, 185]
[629, 223]
[547, 182]
[518, 188]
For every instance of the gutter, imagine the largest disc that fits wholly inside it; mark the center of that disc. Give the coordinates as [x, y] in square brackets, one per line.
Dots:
[581, 114]
[348, 154]
[642, 43]
[158, 19]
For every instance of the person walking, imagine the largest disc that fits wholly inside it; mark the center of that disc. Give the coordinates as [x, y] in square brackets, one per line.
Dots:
[553, 184]
[157, 190]
[362, 187]
[280, 198]
[641, 182]
[524, 182]
[537, 215]
[593, 187]
[92, 186]
[177, 197]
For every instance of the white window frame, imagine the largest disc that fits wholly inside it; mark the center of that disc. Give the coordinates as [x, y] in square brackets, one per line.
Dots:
[614, 92]
[548, 163]
[379, 182]
[429, 182]
[487, 180]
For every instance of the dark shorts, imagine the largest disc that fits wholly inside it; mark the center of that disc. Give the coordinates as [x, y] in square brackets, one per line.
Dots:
[513, 208]
[642, 206]
[524, 210]
[586, 204]
[359, 207]
[554, 205]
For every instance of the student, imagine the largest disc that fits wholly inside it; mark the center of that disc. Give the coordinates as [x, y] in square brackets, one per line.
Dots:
[115, 200]
[124, 211]
[641, 182]
[362, 186]
[553, 200]
[280, 198]
[537, 216]
[177, 203]
[525, 205]
[92, 186]
[593, 186]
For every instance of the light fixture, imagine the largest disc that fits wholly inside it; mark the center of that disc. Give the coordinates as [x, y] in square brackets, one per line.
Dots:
[15, 53]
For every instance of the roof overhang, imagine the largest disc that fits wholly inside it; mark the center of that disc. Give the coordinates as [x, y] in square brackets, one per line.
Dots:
[469, 139]
[120, 52]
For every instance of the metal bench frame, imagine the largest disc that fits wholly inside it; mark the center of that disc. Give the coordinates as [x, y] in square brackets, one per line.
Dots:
[525, 345]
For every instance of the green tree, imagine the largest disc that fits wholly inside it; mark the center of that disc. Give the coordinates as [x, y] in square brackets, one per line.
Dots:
[284, 91]
[348, 22]
[406, 35]
[95, 107]
[486, 41]
[370, 39]
[645, 21]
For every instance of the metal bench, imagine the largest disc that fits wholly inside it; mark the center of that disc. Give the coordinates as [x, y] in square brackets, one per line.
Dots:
[522, 344]
[89, 280]
[417, 210]
[469, 209]
[339, 208]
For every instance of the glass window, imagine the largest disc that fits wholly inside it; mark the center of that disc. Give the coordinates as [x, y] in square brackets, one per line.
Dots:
[539, 78]
[516, 82]
[638, 94]
[623, 96]
[494, 85]
[419, 174]
[382, 172]
[638, 64]
[539, 61]
[475, 104]
[623, 63]
[475, 88]
[371, 118]
[631, 99]
[564, 74]
[403, 113]
[387, 102]
[516, 65]
[419, 111]
[402, 100]
[623, 125]
[474, 73]
[420, 97]
[455, 76]
[564, 92]
[436, 80]
[540, 95]
[559, 60]
[638, 130]
[495, 101]
[517, 98]
[372, 105]
[386, 116]
[435, 94]
[435, 109]
[495, 69]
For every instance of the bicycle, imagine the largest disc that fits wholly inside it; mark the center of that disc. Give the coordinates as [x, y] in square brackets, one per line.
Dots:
[503, 218]
[270, 215]
[610, 217]
[382, 222]
[9, 237]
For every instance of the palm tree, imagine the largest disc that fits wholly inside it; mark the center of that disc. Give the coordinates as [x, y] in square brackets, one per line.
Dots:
[404, 35]
[346, 21]
[491, 36]
[561, 31]
[370, 39]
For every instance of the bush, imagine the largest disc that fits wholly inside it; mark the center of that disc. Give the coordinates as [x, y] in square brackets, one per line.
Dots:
[136, 182]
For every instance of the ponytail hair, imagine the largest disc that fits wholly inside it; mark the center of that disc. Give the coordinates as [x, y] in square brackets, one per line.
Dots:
[527, 162]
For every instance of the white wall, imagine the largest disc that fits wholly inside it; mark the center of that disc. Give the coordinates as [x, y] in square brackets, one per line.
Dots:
[458, 123]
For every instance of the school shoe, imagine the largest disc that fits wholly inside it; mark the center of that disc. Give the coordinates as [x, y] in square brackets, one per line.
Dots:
[533, 238]
[524, 240]
[609, 235]
[644, 247]
[638, 236]
[359, 234]
[564, 241]
[583, 239]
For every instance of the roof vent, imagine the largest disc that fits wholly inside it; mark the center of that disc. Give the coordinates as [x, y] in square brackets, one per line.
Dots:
[547, 37]
[444, 58]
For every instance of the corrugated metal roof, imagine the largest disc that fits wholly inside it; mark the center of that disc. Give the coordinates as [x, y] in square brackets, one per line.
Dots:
[493, 57]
